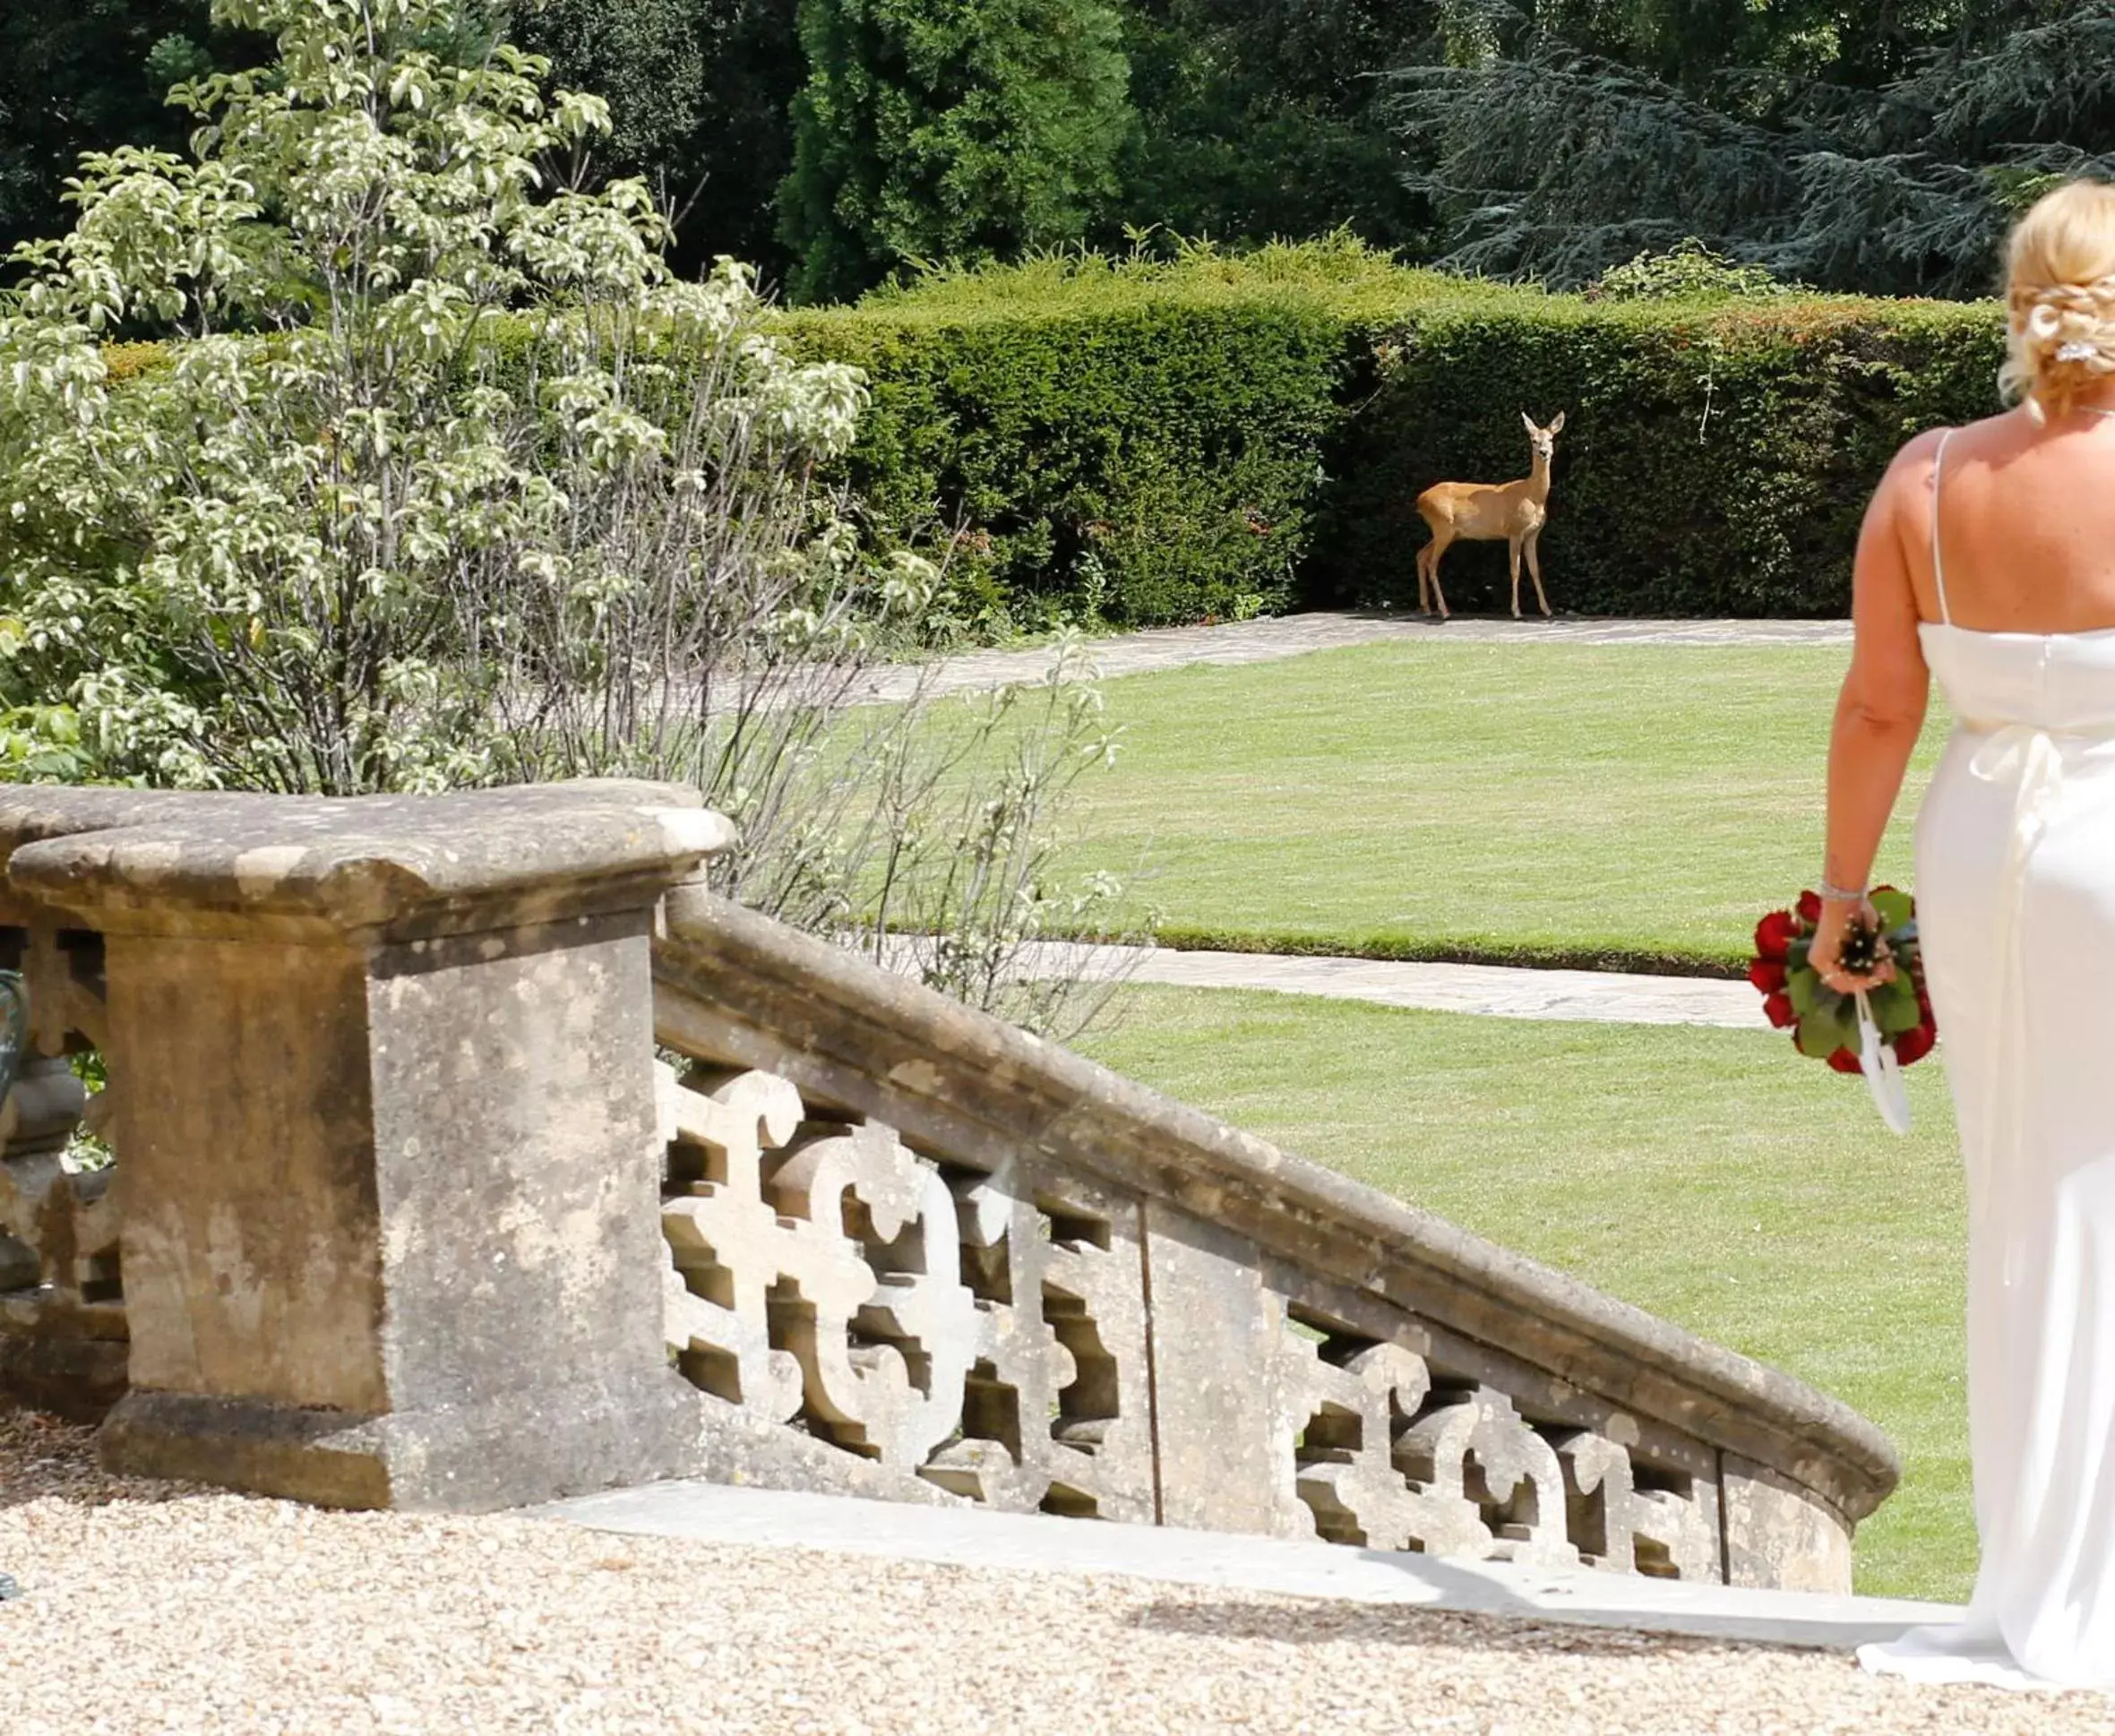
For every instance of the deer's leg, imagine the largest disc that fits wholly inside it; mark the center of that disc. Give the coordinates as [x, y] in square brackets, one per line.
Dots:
[1534, 571]
[1424, 581]
[1432, 551]
[1513, 549]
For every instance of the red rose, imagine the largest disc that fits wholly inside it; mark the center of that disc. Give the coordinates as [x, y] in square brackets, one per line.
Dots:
[1810, 907]
[1778, 1010]
[1774, 936]
[1767, 976]
[1844, 1061]
[1914, 1045]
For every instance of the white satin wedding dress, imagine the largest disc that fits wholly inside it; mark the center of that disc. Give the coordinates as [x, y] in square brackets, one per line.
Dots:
[2015, 900]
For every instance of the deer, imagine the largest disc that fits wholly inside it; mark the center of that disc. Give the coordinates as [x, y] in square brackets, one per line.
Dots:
[1485, 511]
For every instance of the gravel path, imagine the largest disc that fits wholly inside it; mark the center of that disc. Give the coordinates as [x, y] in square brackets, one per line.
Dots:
[1294, 635]
[158, 1610]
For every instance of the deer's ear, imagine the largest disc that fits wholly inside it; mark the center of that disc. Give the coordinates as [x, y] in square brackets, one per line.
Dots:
[1529, 420]
[1558, 426]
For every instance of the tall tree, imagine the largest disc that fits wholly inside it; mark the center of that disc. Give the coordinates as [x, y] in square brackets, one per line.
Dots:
[1878, 147]
[1263, 118]
[949, 129]
[86, 76]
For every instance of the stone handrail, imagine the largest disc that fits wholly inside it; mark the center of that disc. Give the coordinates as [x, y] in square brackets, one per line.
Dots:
[1793, 1470]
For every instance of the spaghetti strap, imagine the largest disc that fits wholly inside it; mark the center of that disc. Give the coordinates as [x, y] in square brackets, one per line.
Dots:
[1937, 560]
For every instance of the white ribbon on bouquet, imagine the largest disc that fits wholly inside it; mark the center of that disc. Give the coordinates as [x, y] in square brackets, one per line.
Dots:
[1883, 1072]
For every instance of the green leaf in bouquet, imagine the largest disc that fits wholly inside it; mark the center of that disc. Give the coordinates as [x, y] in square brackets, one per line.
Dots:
[1894, 1008]
[1825, 1030]
[1893, 908]
[1797, 954]
[1804, 988]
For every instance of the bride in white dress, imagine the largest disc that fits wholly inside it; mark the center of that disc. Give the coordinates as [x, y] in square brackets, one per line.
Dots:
[1988, 559]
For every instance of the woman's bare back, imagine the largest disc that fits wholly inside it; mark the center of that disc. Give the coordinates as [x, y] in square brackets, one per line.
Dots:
[2025, 525]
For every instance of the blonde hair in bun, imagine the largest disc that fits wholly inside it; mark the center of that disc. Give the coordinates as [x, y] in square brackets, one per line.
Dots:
[2059, 294]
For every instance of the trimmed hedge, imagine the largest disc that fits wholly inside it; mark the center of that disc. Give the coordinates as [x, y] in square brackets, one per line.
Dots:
[1165, 442]
[1716, 459]
[1125, 455]
[1142, 441]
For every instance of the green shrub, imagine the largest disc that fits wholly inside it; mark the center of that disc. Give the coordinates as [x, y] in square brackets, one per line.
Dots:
[1109, 449]
[1685, 271]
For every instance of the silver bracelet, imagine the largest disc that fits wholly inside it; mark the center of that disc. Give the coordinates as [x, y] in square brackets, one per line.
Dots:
[1838, 895]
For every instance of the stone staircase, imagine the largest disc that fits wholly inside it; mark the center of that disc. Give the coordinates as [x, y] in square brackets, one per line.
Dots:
[406, 1212]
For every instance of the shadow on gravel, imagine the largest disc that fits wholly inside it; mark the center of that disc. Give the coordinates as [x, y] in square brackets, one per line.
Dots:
[42, 1458]
[1368, 1624]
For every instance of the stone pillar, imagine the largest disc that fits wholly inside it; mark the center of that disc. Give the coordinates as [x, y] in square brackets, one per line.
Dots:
[384, 1115]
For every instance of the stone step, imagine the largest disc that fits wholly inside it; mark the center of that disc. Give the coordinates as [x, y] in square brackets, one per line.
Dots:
[974, 1537]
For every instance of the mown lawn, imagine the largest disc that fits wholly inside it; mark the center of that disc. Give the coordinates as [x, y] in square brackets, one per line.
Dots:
[1552, 803]
[1706, 1176]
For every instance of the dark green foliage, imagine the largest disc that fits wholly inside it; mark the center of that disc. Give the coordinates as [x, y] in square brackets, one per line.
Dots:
[948, 130]
[645, 57]
[84, 75]
[753, 69]
[698, 93]
[1881, 149]
[1263, 118]
[1094, 449]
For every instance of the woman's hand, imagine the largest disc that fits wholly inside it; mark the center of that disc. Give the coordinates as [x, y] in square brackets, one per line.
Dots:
[1837, 916]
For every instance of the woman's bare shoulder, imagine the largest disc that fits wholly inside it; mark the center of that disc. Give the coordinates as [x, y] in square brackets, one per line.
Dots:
[1984, 435]
[1914, 465]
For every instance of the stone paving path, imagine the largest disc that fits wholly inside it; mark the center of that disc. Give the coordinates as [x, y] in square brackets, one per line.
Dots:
[977, 1537]
[1294, 635]
[1601, 997]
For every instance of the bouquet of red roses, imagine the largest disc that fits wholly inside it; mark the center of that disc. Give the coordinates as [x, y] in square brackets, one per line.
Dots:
[1826, 1025]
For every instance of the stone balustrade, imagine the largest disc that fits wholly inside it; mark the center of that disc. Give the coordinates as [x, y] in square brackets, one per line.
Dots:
[405, 1211]
[918, 1253]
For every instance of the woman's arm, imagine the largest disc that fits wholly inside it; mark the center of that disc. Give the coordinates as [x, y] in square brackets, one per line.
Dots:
[1880, 712]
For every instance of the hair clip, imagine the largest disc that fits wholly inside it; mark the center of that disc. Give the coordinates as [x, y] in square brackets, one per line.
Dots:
[2076, 351]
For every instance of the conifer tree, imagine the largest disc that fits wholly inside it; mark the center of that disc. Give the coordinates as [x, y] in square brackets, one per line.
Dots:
[1867, 155]
[948, 130]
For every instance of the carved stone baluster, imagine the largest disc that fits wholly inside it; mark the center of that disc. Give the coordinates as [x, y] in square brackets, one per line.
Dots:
[875, 1306]
[1057, 1410]
[1020, 1366]
[1098, 1444]
[1625, 1529]
[726, 1240]
[1347, 1472]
